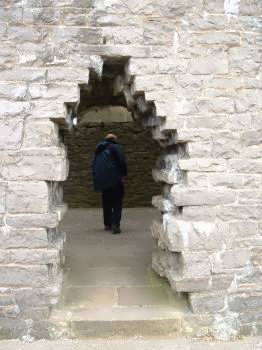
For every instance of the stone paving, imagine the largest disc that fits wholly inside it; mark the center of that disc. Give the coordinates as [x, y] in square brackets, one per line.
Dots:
[134, 344]
[106, 270]
[110, 289]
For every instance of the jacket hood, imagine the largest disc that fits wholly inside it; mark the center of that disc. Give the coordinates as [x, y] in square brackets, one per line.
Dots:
[102, 145]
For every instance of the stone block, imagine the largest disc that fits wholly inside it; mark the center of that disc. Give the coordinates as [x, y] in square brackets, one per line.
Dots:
[242, 302]
[12, 328]
[23, 238]
[244, 60]
[158, 31]
[24, 75]
[189, 196]
[39, 296]
[163, 204]
[48, 164]
[234, 181]
[145, 83]
[22, 34]
[251, 137]
[122, 35]
[41, 15]
[188, 285]
[195, 265]
[15, 92]
[48, 109]
[11, 132]
[249, 166]
[69, 35]
[197, 179]
[40, 133]
[49, 220]
[213, 64]
[75, 16]
[31, 256]
[27, 197]
[14, 108]
[203, 164]
[250, 8]
[163, 262]
[216, 105]
[11, 14]
[252, 152]
[221, 281]
[57, 92]
[217, 38]
[3, 189]
[245, 212]
[11, 275]
[75, 75]
[9, 311]
[179, 235]
[199, 149]
[207, 302]
[230, 259]
[200, 213]
[250, 197]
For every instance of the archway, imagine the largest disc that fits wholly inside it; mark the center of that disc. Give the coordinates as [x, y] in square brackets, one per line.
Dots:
[106, 103]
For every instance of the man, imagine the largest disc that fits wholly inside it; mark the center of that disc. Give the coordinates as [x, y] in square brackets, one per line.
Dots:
[109, 172]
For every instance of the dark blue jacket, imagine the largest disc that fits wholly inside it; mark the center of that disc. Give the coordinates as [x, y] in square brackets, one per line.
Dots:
[108, 174]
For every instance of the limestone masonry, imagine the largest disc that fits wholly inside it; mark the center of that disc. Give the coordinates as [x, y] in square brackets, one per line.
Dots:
[193, 74]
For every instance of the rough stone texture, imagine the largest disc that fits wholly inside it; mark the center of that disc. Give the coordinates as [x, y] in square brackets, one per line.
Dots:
[199, 62]
[137, 144]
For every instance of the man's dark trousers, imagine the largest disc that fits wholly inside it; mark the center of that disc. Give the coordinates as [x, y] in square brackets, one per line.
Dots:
[112, 205]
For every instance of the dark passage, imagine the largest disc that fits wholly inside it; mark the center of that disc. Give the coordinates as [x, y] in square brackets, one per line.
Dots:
[141, 152]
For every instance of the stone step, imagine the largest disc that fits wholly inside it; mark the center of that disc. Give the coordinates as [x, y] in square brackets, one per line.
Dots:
[254, 343]
[112, 322]
[128, 322]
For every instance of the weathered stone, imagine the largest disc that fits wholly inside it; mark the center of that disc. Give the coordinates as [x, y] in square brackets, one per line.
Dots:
[189, 196]
[213, 64]
[35, 164]
[23, 238]
[207, 303]
[203, 164]
[87, 35]
[48, 220]
[242, 302]
[40, 133]
[3, 189]
[42, 15]
[12, 275]
[29, 256]
[230, 259]
[27, 197]
[23, 74]
[24, 34]
[13, 108]
[15, 92]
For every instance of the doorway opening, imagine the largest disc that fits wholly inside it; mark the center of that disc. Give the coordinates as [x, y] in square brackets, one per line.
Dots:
[104, 270]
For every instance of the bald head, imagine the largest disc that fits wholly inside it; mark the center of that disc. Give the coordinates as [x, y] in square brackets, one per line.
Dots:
[111, 137]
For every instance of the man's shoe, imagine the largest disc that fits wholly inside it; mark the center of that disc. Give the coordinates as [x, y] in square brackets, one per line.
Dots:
[116, 229]
[108, 228]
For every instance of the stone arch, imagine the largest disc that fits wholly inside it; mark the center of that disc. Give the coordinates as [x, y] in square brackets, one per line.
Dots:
[173, 260]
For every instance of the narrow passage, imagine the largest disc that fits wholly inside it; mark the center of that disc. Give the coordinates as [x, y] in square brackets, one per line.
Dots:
[103, 270]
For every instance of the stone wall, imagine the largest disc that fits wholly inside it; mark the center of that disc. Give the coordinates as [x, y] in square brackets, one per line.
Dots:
[141, 153]
[199, 62]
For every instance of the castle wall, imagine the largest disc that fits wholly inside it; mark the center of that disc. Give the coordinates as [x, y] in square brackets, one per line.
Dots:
[200, 63]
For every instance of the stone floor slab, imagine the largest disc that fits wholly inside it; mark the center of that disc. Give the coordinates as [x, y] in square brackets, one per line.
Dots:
[134, 344]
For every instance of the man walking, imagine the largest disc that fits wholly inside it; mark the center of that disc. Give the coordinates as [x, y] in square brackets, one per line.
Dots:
[109, 172]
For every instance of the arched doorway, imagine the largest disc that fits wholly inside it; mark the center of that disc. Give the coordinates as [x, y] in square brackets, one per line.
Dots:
[102, 271]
